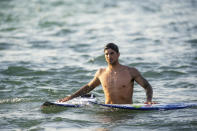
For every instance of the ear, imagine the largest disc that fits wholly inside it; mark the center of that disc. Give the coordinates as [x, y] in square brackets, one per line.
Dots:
[118, 54]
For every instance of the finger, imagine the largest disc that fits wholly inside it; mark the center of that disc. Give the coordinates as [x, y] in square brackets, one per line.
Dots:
[59, 100]
[149, 103]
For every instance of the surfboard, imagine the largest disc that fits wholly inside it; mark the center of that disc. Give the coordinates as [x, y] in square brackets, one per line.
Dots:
[142, 107]
[169, 106]
[90, 99]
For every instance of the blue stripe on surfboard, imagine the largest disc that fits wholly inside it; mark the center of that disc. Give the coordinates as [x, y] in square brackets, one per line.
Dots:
[171, 106]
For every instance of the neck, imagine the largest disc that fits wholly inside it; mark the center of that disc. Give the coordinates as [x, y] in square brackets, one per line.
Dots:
[114, 66]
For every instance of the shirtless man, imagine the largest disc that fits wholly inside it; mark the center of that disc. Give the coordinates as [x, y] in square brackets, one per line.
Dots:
[117, 80]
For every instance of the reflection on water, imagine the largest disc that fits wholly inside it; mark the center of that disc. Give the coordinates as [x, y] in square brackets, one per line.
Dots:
[113, 116]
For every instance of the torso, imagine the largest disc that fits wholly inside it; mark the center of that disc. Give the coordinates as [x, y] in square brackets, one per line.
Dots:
[117, 85]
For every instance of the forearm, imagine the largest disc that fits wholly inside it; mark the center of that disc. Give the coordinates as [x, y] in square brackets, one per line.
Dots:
[82, 91]
[149, 93]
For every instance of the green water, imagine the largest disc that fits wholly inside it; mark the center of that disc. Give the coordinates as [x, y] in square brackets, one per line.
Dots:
[49, 49]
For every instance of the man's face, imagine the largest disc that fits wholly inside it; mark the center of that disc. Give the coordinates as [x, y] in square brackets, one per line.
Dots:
[111, 56]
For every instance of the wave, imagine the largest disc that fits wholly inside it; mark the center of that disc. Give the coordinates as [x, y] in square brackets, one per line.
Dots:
[100, 60]
[5, 45]
[23, 71]
[172, 73]
[163, 74]
[152, 74]
[20, 100]
[193, 42]
[64, 32]
[12, 100]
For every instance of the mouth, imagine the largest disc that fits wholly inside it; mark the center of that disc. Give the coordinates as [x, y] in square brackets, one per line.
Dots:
[110, 60]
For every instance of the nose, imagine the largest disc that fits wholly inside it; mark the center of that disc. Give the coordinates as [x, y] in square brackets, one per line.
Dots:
[108, 56]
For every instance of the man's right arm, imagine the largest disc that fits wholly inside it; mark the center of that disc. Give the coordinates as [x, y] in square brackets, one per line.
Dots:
[82, 91]
[85, 89]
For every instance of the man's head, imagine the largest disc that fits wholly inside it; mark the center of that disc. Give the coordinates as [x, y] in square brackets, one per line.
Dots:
[111, 53]
[112, 46]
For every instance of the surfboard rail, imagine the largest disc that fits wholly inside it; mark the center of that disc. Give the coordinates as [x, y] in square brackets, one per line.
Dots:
[170, 106]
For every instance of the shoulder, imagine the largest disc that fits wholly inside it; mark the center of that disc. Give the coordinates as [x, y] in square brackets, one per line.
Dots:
[133, 71]
[100, 71]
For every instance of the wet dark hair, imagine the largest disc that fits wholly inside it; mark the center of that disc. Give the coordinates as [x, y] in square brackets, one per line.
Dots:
[112, 46]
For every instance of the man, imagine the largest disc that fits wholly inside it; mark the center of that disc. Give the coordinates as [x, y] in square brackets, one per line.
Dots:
[117, 80]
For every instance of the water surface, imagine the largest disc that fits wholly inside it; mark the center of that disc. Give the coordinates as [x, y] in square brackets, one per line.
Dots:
[49, 49]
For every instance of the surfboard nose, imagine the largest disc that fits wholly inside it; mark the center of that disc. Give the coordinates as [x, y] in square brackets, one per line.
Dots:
[47, 104]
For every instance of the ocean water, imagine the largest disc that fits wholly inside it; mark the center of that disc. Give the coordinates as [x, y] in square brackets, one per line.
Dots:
[49, 49]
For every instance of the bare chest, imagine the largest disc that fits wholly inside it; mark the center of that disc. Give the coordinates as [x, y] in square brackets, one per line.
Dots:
[115, 80]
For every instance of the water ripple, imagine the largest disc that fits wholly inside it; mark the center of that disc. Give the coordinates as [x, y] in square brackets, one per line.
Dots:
[5, 46]
[49, 49]
[23, 71]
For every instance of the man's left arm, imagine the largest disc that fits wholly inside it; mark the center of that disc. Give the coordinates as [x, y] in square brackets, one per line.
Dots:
[145, 84]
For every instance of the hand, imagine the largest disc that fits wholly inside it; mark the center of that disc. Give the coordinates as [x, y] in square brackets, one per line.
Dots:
[150, 102]
[63, 100]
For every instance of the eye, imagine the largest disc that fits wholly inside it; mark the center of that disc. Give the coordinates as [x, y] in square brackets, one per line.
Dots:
[112, 53]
